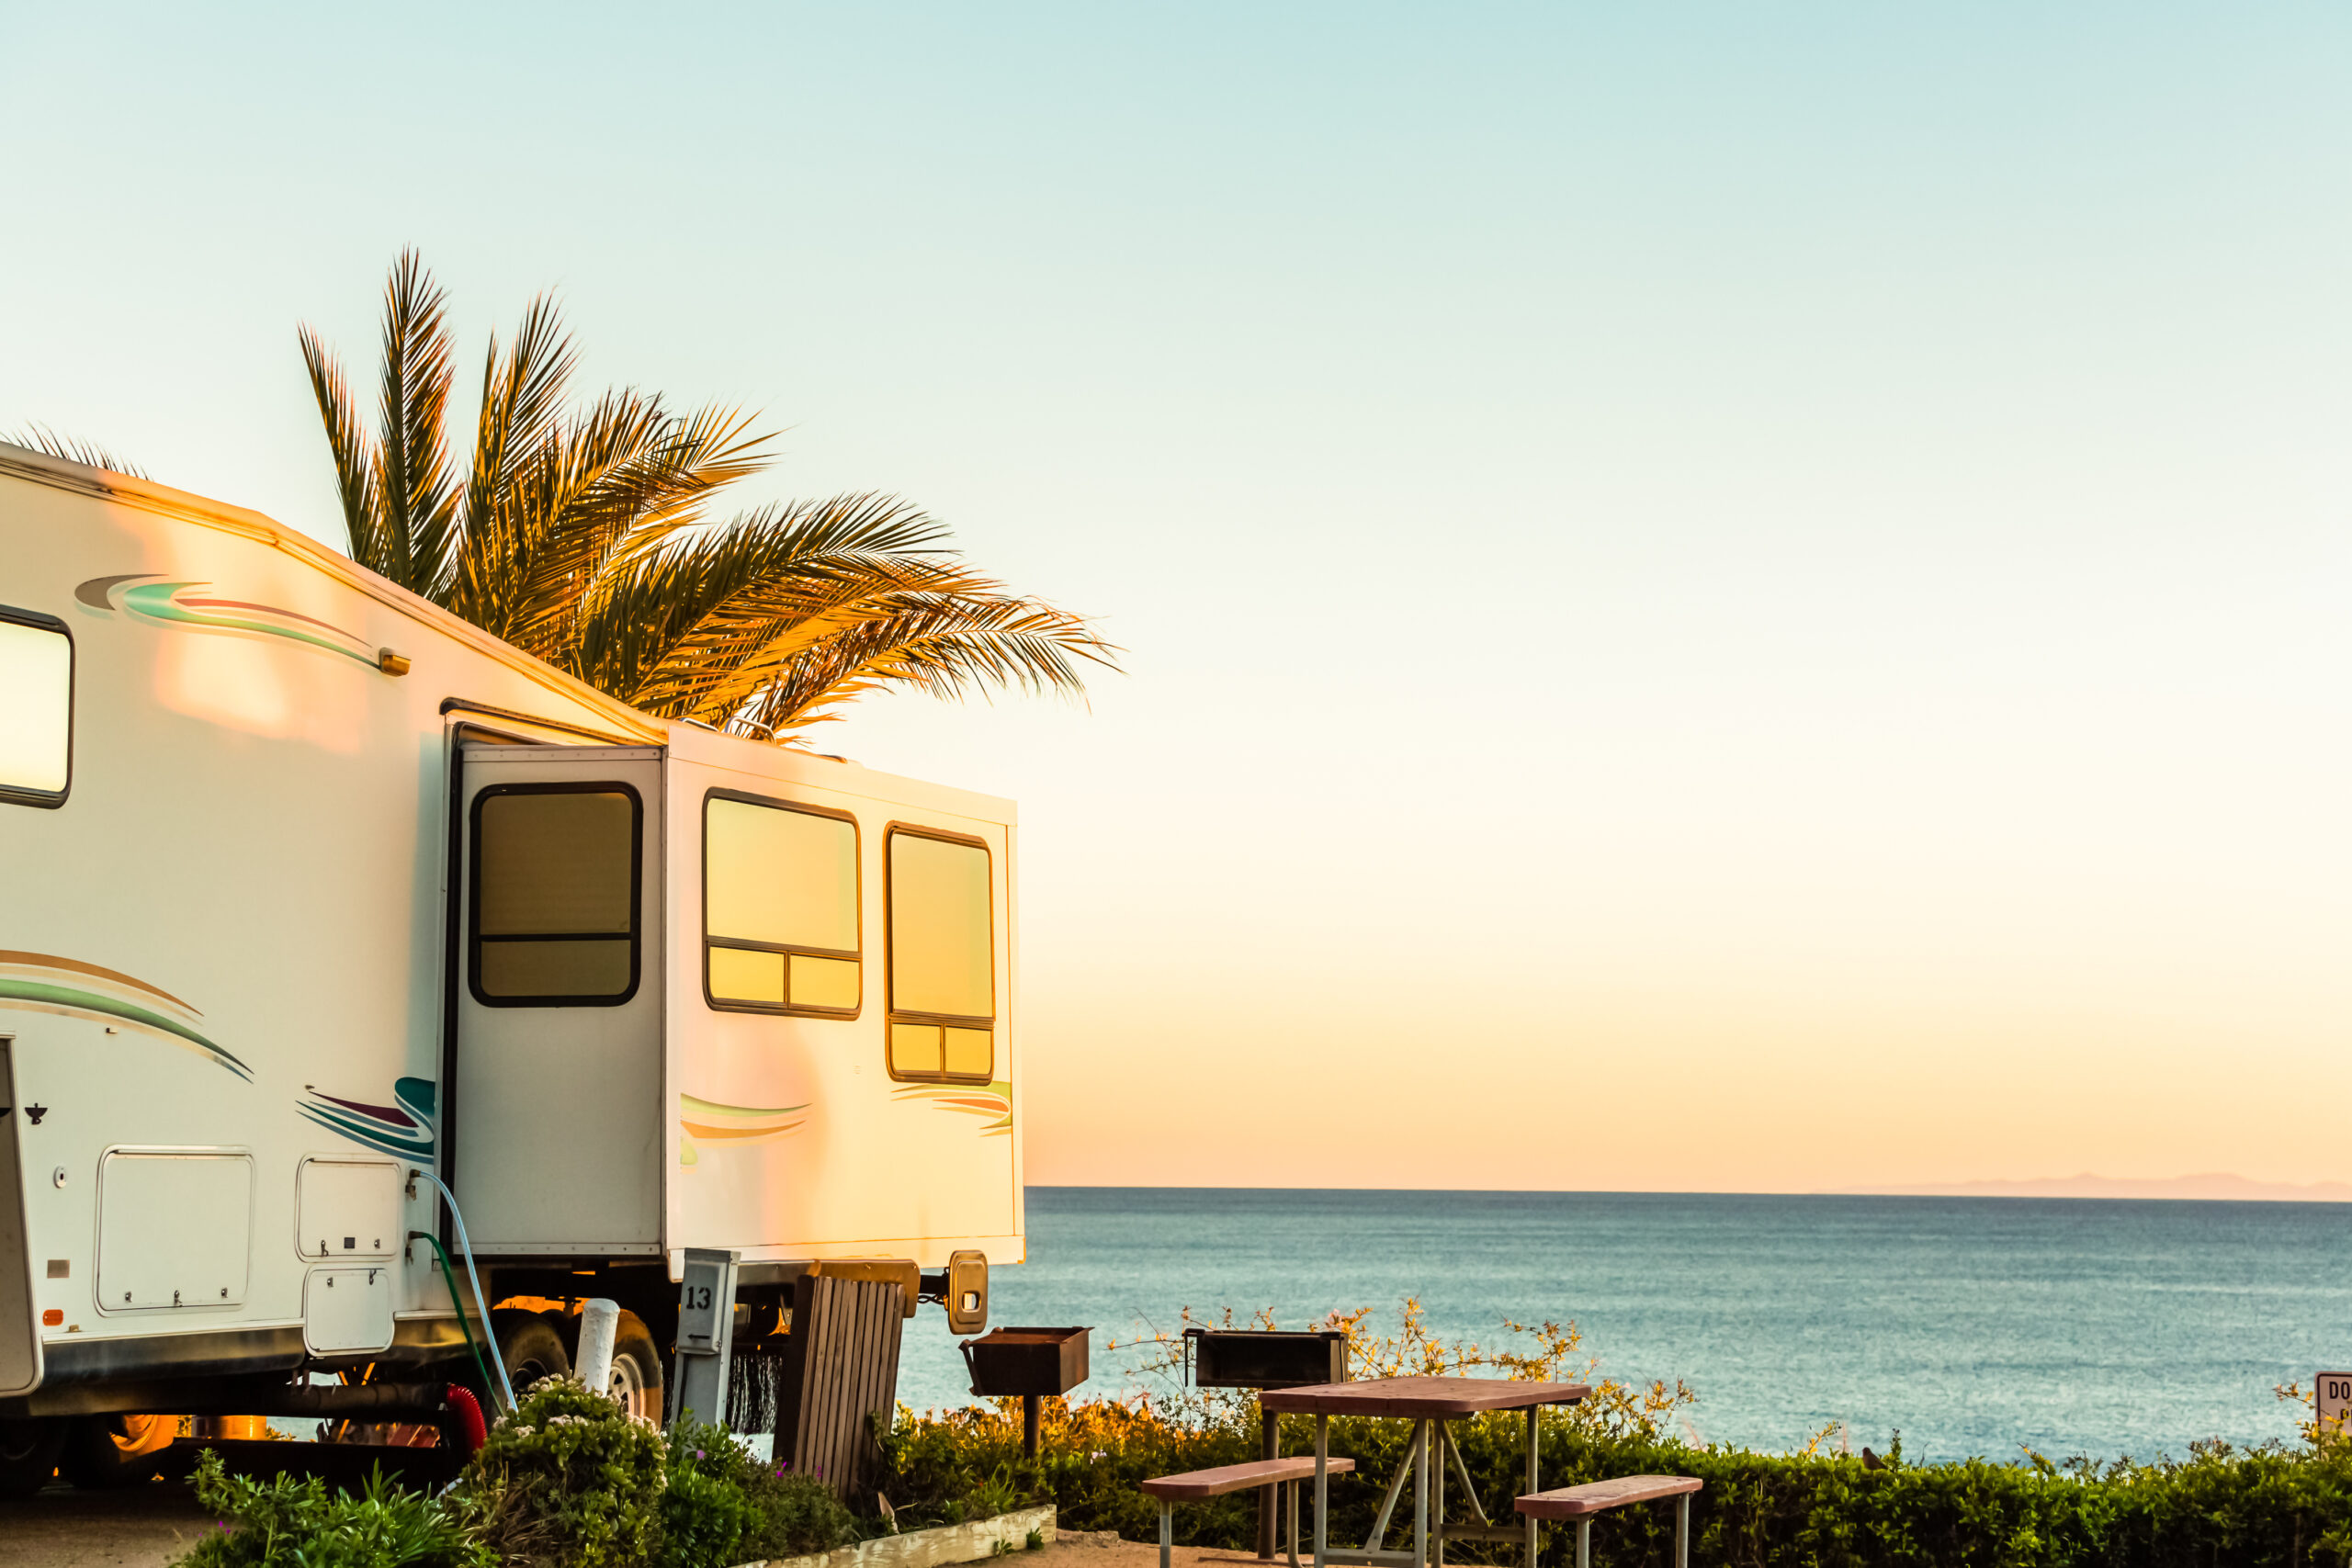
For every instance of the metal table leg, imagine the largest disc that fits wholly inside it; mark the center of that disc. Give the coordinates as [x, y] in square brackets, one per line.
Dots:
[1322, 1481]
[1439, 1439]
[1166, 1530]
[1421, 1490]
[1534, 1481]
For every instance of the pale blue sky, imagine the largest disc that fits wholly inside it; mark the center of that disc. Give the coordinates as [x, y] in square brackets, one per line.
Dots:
[1792, 553]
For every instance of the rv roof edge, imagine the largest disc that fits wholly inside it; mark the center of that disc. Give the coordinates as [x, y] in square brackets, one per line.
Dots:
[21, 462]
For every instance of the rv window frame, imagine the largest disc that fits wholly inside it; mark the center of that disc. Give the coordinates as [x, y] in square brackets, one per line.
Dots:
[636, 892]
[892, 1013]
[45, 799]
[744, 944]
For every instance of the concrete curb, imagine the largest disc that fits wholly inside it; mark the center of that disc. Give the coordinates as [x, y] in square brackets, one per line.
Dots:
[934, 1547]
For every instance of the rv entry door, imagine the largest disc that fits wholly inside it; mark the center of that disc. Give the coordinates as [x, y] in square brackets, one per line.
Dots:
[554, 1120]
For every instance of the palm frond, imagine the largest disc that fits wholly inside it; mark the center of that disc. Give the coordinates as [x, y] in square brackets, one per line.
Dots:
[412, 463]
[766, 624]
[946, 646]
[354, 455]
[522, 405]
[41, 438]
[613, 486]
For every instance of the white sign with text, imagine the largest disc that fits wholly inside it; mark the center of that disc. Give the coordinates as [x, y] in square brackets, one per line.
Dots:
[2333, 1402]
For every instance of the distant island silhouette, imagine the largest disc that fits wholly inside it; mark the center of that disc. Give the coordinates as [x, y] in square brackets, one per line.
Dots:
[2207, 1186]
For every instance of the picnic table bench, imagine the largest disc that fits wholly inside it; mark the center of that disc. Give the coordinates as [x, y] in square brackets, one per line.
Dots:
[1194, 1485]
[1580, 1503]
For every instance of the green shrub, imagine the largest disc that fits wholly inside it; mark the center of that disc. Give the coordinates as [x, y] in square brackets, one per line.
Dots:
[569, 1479]
[2266, 1507]
[703, 1520]
[774, 1512]
[286, 1523]
[795, 1514]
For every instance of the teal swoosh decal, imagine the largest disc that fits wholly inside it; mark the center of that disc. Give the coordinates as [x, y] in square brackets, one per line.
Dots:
[369, 1138]
[155, 600]
[417, 1097]
[89, 1001]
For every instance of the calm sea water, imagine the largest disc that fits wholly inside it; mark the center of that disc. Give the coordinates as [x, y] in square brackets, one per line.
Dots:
[1974, 1325]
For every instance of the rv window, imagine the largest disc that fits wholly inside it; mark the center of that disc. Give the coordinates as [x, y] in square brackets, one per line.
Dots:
[779, 907]
[942, 973]
[36, 708]
[554, 894]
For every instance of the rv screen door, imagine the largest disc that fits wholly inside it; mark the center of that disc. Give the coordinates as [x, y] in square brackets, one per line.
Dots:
[554, 1121]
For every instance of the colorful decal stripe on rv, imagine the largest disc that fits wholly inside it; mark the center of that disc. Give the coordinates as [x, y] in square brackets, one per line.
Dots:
[145, 598]
[733, 1124]
[404, 1130]
[41, 982]
[995, 1102]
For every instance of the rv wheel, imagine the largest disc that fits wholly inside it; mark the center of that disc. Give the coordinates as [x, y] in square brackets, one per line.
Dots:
[28, 1454]
[531, 1346]
[104, 1451]
[637, 1368]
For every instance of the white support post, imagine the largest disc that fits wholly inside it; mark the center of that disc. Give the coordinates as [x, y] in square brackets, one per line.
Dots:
[1682, 1531]
[600, 1321]
[1166, 1530]
[1584, 1543]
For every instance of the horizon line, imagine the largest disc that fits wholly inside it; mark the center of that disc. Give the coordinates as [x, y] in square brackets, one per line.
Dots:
[2209, 1187]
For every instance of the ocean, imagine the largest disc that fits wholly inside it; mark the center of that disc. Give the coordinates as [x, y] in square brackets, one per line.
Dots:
[1973, 1326]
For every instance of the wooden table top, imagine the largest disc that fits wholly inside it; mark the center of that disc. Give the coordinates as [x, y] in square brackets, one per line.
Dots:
[1420, 1399]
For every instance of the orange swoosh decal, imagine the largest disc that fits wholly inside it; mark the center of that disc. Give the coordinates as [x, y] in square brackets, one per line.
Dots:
[50, 961]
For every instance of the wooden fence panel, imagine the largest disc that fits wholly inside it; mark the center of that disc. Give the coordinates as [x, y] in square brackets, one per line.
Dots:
[840, 1367]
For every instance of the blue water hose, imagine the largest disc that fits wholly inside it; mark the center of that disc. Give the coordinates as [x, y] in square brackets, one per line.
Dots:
[498, 1356]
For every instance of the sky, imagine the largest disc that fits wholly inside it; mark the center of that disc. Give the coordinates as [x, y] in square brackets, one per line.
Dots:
[1714, 597]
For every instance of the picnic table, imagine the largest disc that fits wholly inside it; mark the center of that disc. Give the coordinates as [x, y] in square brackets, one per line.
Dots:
[1429, 1404]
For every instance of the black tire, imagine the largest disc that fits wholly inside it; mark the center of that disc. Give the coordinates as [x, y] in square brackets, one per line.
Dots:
[102, 1452]
[28, 1454]
[531, 1346]
[636, 1364]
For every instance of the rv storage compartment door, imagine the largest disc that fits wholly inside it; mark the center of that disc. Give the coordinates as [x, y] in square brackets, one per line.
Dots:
[347, 1311]
[347, 1209]
[174, 1228]
[555, 1124]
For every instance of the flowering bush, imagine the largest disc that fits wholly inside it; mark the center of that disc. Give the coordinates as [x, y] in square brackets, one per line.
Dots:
[569, 1480]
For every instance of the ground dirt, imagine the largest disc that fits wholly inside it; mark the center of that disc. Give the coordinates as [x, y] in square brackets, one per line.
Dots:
[140, 1526]
[147, 1527]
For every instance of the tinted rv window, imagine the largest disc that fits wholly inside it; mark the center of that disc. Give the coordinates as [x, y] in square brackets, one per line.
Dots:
[36, 708]
[942, 973]
[554, 894]
[779, 907]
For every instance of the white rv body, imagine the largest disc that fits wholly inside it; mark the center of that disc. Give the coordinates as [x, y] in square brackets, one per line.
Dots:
[234, 951]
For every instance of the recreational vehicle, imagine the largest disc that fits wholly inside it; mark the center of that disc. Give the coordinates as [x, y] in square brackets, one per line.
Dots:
[317, 903]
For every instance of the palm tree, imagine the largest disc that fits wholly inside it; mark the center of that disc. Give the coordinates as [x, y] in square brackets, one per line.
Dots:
[585, 536]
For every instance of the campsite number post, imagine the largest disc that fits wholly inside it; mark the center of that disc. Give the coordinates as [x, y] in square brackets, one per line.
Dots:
[2334, 1401]
[706, 1334]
